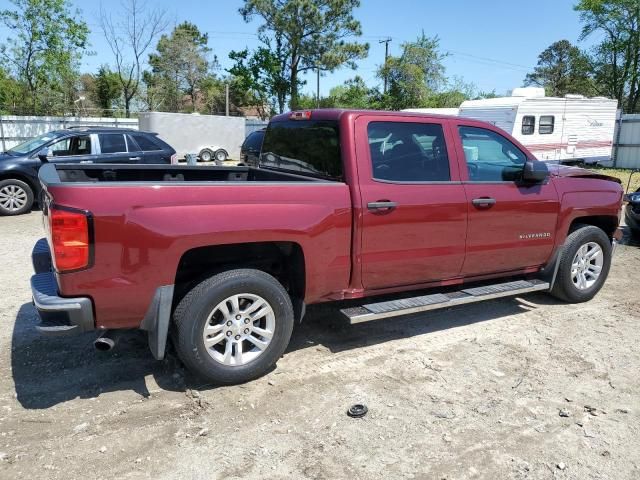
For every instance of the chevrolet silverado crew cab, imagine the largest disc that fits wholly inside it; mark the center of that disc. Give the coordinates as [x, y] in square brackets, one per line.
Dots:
[389, 213]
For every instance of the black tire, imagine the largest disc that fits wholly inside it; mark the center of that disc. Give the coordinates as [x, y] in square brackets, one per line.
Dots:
[206, 155]
[194, 309]
[564, 287]
[18, 186]
[221, 156]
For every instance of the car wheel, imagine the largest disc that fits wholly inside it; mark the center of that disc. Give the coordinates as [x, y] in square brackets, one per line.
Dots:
[205, 155]
[584, 265]
[221, 156]
[234, 326]
[16, 197]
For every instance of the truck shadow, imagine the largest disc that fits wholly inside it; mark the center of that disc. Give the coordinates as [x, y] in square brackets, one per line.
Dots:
[48, 371]
[52, 370]
[324, 325]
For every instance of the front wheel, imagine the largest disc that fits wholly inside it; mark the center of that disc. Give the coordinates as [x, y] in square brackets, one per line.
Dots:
[205, 155]
[584, 265]
[234, 326]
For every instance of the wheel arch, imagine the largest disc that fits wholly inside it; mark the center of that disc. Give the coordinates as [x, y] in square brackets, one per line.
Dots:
[283, 260]
[607, 223]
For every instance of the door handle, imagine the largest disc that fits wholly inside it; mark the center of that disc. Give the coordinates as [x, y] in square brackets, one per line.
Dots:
[134, 159]
[382, 206]
[484, 202]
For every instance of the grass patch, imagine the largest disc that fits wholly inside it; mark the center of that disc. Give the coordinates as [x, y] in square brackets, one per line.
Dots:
[623, 174]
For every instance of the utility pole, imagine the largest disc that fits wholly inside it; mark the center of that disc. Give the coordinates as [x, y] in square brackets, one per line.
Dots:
[318, 90]
[227, 98]
[386, 56]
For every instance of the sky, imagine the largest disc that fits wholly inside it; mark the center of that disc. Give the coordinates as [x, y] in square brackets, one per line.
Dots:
[491, 44]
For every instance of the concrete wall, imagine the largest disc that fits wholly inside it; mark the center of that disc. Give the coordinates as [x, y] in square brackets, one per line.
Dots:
[17, 129]
[189, 133]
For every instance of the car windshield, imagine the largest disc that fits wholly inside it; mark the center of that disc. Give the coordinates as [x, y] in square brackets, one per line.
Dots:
[33, 144]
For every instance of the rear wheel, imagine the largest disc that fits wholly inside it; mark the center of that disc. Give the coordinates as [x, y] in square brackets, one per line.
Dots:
[16, 197]
[234, 326]
[221, 156]
[584, 265]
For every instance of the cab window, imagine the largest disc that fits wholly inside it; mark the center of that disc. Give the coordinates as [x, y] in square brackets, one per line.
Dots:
[490, 156]
[408, 152]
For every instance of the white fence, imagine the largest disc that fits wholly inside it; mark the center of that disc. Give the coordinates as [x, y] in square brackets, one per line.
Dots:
[15, 130]
[626, 148]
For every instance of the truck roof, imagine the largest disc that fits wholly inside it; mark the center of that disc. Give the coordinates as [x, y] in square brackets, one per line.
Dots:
[337, 113]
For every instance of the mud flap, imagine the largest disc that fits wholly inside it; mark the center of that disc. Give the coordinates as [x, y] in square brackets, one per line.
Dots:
[156, 320]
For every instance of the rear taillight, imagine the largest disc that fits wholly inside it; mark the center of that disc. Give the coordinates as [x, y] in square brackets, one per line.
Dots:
[174, 159]
[70, 239]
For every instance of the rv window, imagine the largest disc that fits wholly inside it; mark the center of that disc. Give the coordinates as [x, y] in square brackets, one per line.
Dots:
[547, 123]
[528, 125]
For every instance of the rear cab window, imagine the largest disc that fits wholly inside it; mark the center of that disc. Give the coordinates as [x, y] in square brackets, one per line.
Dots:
[303, 147]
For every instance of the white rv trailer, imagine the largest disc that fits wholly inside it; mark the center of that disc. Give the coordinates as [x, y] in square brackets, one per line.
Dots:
[555, 129]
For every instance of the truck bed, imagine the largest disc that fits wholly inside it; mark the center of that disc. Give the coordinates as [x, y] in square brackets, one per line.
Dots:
[91, 173]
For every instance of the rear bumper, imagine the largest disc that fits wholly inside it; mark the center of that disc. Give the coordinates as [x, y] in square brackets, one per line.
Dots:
[58, 315]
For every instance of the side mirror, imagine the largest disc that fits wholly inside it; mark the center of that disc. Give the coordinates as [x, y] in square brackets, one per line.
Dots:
[44, 153]
[535, 172]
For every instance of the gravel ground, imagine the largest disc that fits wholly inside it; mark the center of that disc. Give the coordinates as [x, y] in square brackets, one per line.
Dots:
[517, 388]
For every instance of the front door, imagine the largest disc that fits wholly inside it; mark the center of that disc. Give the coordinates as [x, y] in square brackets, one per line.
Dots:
[414, 208]
[72, 149]
[511, 225]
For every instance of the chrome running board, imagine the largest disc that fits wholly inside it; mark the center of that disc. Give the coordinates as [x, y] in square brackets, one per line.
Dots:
[395, 308]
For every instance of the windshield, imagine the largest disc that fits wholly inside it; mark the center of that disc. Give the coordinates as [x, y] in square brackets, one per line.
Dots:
[33, 144]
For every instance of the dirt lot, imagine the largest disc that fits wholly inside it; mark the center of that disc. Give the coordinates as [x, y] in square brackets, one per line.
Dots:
[521, 388]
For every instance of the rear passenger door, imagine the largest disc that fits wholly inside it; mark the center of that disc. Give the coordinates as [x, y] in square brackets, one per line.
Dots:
[113, 149]
[511, 224]
[414, 217]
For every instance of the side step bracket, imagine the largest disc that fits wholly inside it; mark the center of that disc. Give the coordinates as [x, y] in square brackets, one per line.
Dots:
[407, 306]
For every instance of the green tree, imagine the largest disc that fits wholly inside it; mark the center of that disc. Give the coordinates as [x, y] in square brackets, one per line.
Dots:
[263, 73]
[562, 69]
[354, 93]
[314, 34]
[617, 56]
[43, 51]
[11, 93]
[108, 90]
[181, 63]
[415, 75]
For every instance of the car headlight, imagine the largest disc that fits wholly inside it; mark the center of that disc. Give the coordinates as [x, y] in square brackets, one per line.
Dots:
[633, 197]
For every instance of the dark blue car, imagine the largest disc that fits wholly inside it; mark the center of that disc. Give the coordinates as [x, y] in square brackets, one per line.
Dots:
[19, 185]
[632, 212]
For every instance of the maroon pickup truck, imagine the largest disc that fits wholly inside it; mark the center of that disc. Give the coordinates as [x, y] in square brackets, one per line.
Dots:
[345, 205]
